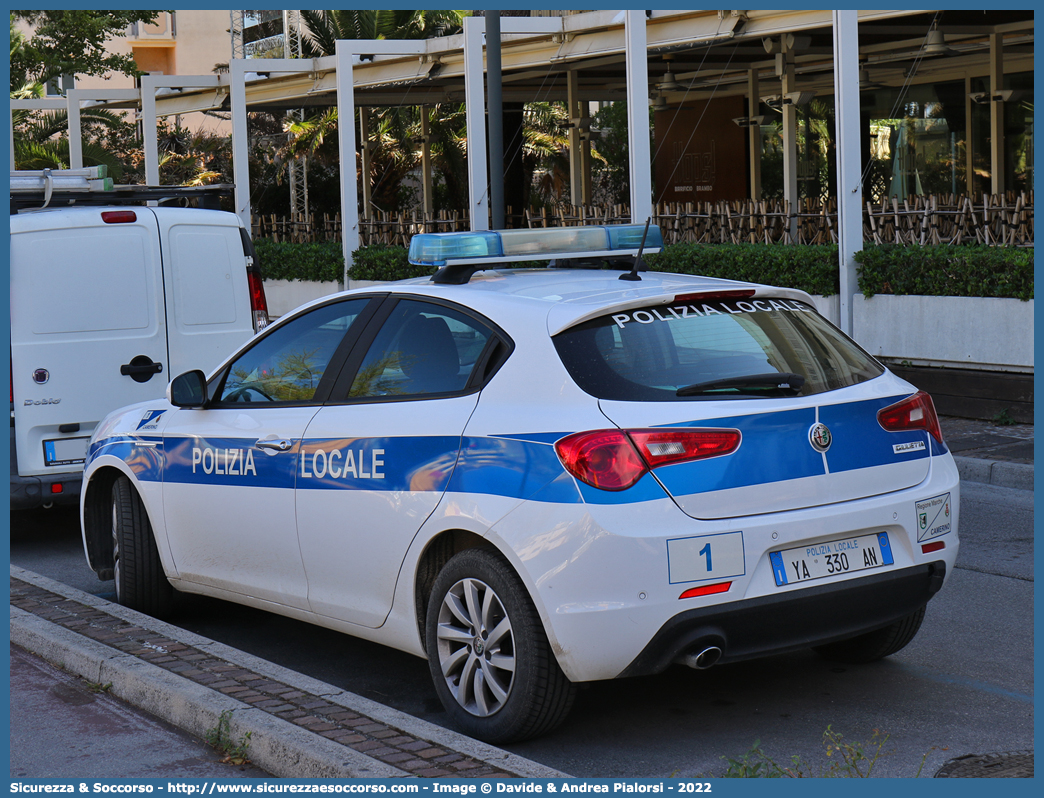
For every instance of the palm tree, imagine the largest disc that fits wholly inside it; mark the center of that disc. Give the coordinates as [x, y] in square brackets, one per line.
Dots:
[395, 131]
[545, 156]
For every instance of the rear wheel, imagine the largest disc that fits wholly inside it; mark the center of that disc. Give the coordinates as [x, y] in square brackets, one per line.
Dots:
[877, 644]
[488, 653]
[138, 573]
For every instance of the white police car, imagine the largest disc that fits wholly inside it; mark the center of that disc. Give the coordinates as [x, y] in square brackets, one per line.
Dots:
[539, 477]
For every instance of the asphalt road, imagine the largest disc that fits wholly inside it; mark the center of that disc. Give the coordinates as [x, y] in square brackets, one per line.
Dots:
[963, 686]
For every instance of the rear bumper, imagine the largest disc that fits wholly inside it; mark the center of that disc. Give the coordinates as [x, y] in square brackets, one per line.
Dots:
[792, 621]
[29, 493]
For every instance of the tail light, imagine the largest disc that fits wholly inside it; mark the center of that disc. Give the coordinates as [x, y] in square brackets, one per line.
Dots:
[119, 217]
[914, 412]
[614, 459]
[258, 301]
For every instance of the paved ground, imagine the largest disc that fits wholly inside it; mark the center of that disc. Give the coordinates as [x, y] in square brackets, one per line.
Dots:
[124, 678]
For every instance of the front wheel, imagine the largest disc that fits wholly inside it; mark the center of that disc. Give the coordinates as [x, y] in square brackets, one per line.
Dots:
[137, 570]
[877, 644]
[488, 654]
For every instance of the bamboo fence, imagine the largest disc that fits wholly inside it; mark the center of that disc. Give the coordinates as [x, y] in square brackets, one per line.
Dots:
[930, 219]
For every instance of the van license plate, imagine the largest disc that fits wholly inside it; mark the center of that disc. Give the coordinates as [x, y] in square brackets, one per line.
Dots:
[65, 451]
[835, 557]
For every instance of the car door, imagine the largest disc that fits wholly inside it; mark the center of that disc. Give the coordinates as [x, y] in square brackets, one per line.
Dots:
[231, 468]
[378, 457]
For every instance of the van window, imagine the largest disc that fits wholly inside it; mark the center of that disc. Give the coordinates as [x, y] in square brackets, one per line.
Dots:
[708, 350]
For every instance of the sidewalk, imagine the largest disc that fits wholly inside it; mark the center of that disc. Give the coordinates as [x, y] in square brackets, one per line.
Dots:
[990, 453]
[299, 727]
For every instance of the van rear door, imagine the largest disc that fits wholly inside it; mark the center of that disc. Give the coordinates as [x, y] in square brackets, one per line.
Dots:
[88, 328]
[207, 300]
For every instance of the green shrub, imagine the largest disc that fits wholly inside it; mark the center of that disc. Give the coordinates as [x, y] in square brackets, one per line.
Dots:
[808, 268]
[383, 262]
[320, 261]
[946, 271]
[931, 271]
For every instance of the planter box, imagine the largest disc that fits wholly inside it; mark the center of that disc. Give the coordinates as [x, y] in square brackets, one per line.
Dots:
[982, 333]
[285, 295]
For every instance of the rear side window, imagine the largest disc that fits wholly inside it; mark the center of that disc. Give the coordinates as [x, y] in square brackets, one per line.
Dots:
[761, 347]
[422, 349]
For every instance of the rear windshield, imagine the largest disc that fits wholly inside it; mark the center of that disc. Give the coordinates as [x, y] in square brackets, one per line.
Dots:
[688, 351]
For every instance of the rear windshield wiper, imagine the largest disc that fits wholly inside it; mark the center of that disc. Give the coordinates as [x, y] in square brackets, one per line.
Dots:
[778, 383]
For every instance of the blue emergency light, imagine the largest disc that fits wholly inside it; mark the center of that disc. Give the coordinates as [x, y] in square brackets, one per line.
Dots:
[470, 250]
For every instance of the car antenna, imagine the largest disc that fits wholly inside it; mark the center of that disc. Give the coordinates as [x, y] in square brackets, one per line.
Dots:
[633, 273]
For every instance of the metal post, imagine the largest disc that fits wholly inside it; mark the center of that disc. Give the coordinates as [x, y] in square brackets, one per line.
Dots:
[429, 204]
[474, 101]
[149, 137]
[847, 136]
[575, 160]
[75, 132]
[640, 155]
[997, 114]
[790, 153]
[969, 151]
[240, 140]
[367, 147]
[495, 115]
[754, 104]
[346, 141]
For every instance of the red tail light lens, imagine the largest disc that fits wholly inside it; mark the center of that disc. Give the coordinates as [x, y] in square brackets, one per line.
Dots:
[613, 459]
[604, 459]
[119, 217]
[258, 300]
[914, 412]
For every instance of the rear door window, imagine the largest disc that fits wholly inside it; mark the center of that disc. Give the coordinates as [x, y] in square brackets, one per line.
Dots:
[422, 349]
[712, 350]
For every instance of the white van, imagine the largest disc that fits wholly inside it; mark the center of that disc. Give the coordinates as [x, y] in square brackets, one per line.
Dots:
[108, 301]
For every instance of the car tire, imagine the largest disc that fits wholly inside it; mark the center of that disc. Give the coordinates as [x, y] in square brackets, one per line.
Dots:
[877, 644]
[488, 653]
[137, 570]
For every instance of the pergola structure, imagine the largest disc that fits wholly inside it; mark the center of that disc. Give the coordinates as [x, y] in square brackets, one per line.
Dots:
[676, 56]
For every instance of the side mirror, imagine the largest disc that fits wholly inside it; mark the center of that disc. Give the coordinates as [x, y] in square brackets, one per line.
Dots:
[188, 390]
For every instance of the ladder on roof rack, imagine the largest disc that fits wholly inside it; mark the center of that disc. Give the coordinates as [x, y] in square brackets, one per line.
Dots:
[43, 188]
[47, 180]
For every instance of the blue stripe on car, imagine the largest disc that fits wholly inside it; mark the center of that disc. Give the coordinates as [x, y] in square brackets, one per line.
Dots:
[521, 465]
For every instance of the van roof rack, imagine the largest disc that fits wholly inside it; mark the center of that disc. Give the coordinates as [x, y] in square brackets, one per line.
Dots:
[55, 188]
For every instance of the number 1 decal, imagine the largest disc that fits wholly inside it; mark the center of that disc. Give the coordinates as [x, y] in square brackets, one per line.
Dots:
[702, 557]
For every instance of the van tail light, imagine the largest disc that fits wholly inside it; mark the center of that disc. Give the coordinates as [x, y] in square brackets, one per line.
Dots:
[258, 301]
[914, 412]
[119, 217]
[614, 459]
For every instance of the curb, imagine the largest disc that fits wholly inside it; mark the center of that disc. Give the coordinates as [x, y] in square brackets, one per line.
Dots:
[279, 746]
[996, 472]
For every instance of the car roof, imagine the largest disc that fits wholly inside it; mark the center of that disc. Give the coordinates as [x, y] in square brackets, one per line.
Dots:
[569, 296]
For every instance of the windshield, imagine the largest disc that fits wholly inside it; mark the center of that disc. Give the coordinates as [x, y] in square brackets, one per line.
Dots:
[763, 347]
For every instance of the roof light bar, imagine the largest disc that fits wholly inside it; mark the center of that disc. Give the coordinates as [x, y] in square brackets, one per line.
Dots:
[473, 249]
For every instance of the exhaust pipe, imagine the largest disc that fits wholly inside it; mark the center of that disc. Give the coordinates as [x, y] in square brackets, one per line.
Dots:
[703, 659]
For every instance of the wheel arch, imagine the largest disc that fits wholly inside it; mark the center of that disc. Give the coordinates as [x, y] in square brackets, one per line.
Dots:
[437, 552]
[96, 517]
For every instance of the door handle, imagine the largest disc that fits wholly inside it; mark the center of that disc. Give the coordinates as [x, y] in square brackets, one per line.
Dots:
[141, 368]
[279, 446]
